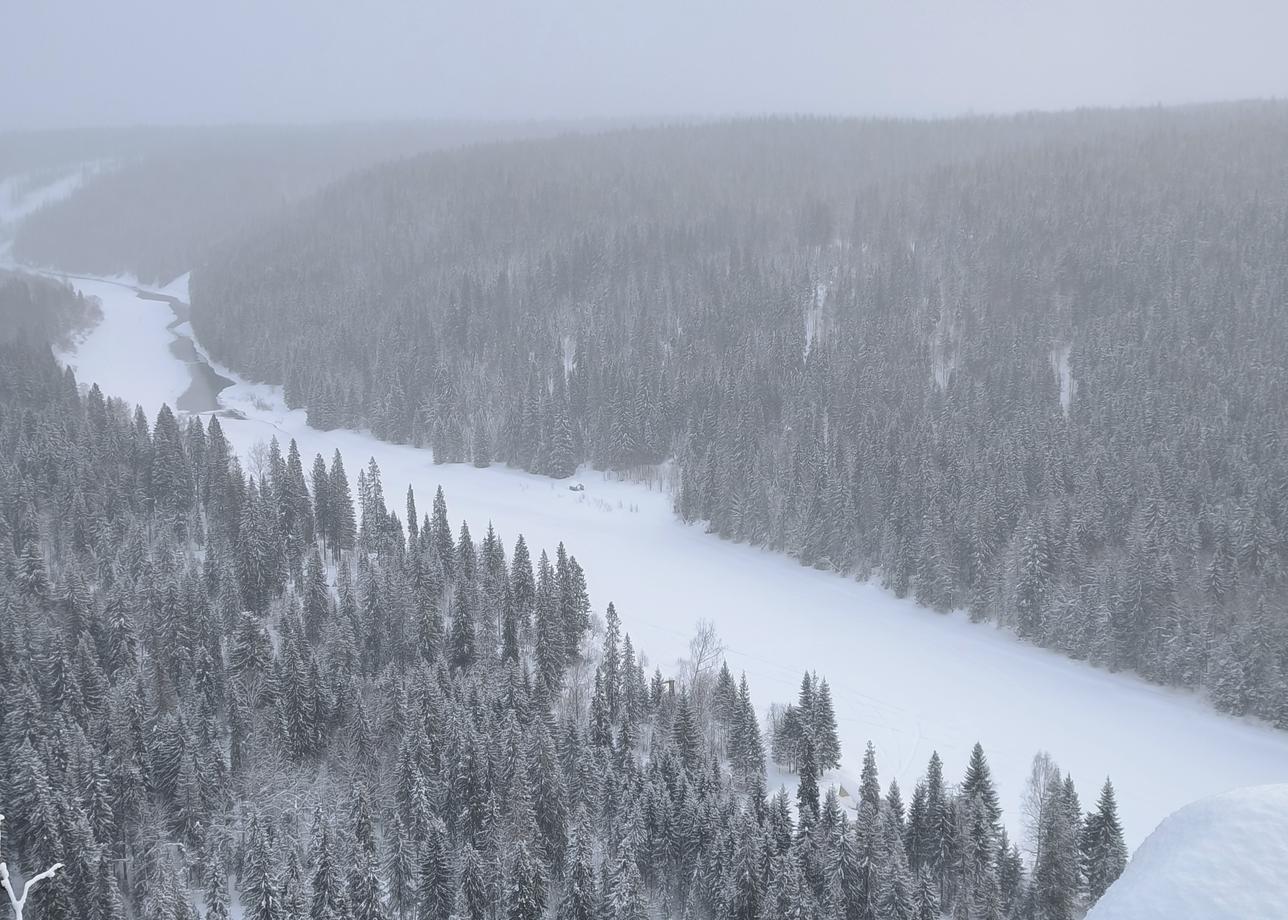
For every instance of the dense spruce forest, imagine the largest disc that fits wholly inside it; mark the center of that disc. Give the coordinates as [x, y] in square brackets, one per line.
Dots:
[43, 310]
[160, 198]
[1032, 367]
[229, 697]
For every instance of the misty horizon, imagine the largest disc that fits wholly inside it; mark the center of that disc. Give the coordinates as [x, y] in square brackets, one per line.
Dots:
[567, 61]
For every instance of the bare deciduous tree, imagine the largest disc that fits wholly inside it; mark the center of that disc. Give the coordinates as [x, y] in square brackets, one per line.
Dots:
[19, 900]
[1041, 777]
[706, 651]
[257, 460]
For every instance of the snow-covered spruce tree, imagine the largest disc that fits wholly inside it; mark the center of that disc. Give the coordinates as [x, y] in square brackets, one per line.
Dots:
[215, 888]
[1104, 855]
[1055, 888]
[807, 788]
[925, 897]
[746, 751]
[525, 896]
[328, 900]
[162, 713]
[896, 898]
[827, 742]
[869, 782]
[261, 891]
[343, 529]
[434, 889]
[579, 896]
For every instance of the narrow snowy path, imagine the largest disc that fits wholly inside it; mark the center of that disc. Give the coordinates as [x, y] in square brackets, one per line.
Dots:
[908, 679]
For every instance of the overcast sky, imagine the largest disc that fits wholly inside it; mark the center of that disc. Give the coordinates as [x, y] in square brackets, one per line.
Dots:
[75, 62]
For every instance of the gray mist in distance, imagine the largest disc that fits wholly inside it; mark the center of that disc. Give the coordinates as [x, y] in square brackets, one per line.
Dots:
[85, 62]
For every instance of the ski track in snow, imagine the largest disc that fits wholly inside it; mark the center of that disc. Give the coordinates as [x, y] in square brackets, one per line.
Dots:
[907, 678]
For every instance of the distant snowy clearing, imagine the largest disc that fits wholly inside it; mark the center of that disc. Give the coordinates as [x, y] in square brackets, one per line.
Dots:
[21, 197]
[909, 679]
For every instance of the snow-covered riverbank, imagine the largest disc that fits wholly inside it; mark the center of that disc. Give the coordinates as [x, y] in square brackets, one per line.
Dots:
[124, 353]
[134, 324]
[906, 678]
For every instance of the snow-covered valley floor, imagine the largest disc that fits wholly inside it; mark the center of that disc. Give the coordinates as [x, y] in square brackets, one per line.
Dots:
[909, 679]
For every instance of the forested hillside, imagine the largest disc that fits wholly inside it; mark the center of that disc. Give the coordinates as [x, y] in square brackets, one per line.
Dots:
[1032, 367]
[42, 309]
[162, 197]
[205, 678]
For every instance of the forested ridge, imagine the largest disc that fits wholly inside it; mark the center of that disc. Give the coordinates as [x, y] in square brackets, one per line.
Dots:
[224, 695]
[43, 309]
[1032, 367]
[160, 198]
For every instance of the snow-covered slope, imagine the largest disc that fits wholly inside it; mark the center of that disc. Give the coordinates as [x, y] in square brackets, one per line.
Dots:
[1222, 858]
[909, 679]
[18, 199]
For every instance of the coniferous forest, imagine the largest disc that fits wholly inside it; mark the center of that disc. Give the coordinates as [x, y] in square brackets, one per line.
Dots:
[225, 696]
[158, 198]
[1031, 367]
[36, 308]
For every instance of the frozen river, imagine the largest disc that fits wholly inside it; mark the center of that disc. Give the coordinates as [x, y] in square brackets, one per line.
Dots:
[909, 679]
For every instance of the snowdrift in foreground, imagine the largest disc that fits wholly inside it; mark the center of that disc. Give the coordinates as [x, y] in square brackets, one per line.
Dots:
[1221, 858]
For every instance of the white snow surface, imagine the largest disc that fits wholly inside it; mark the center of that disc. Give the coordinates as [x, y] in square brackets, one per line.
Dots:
[1222, 858]
[177, 288]
[911, 680]
[1059, 358]
[128, 353]
[814, 315]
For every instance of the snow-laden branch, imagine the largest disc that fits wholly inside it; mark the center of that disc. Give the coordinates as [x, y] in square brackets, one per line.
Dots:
[19, 901]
